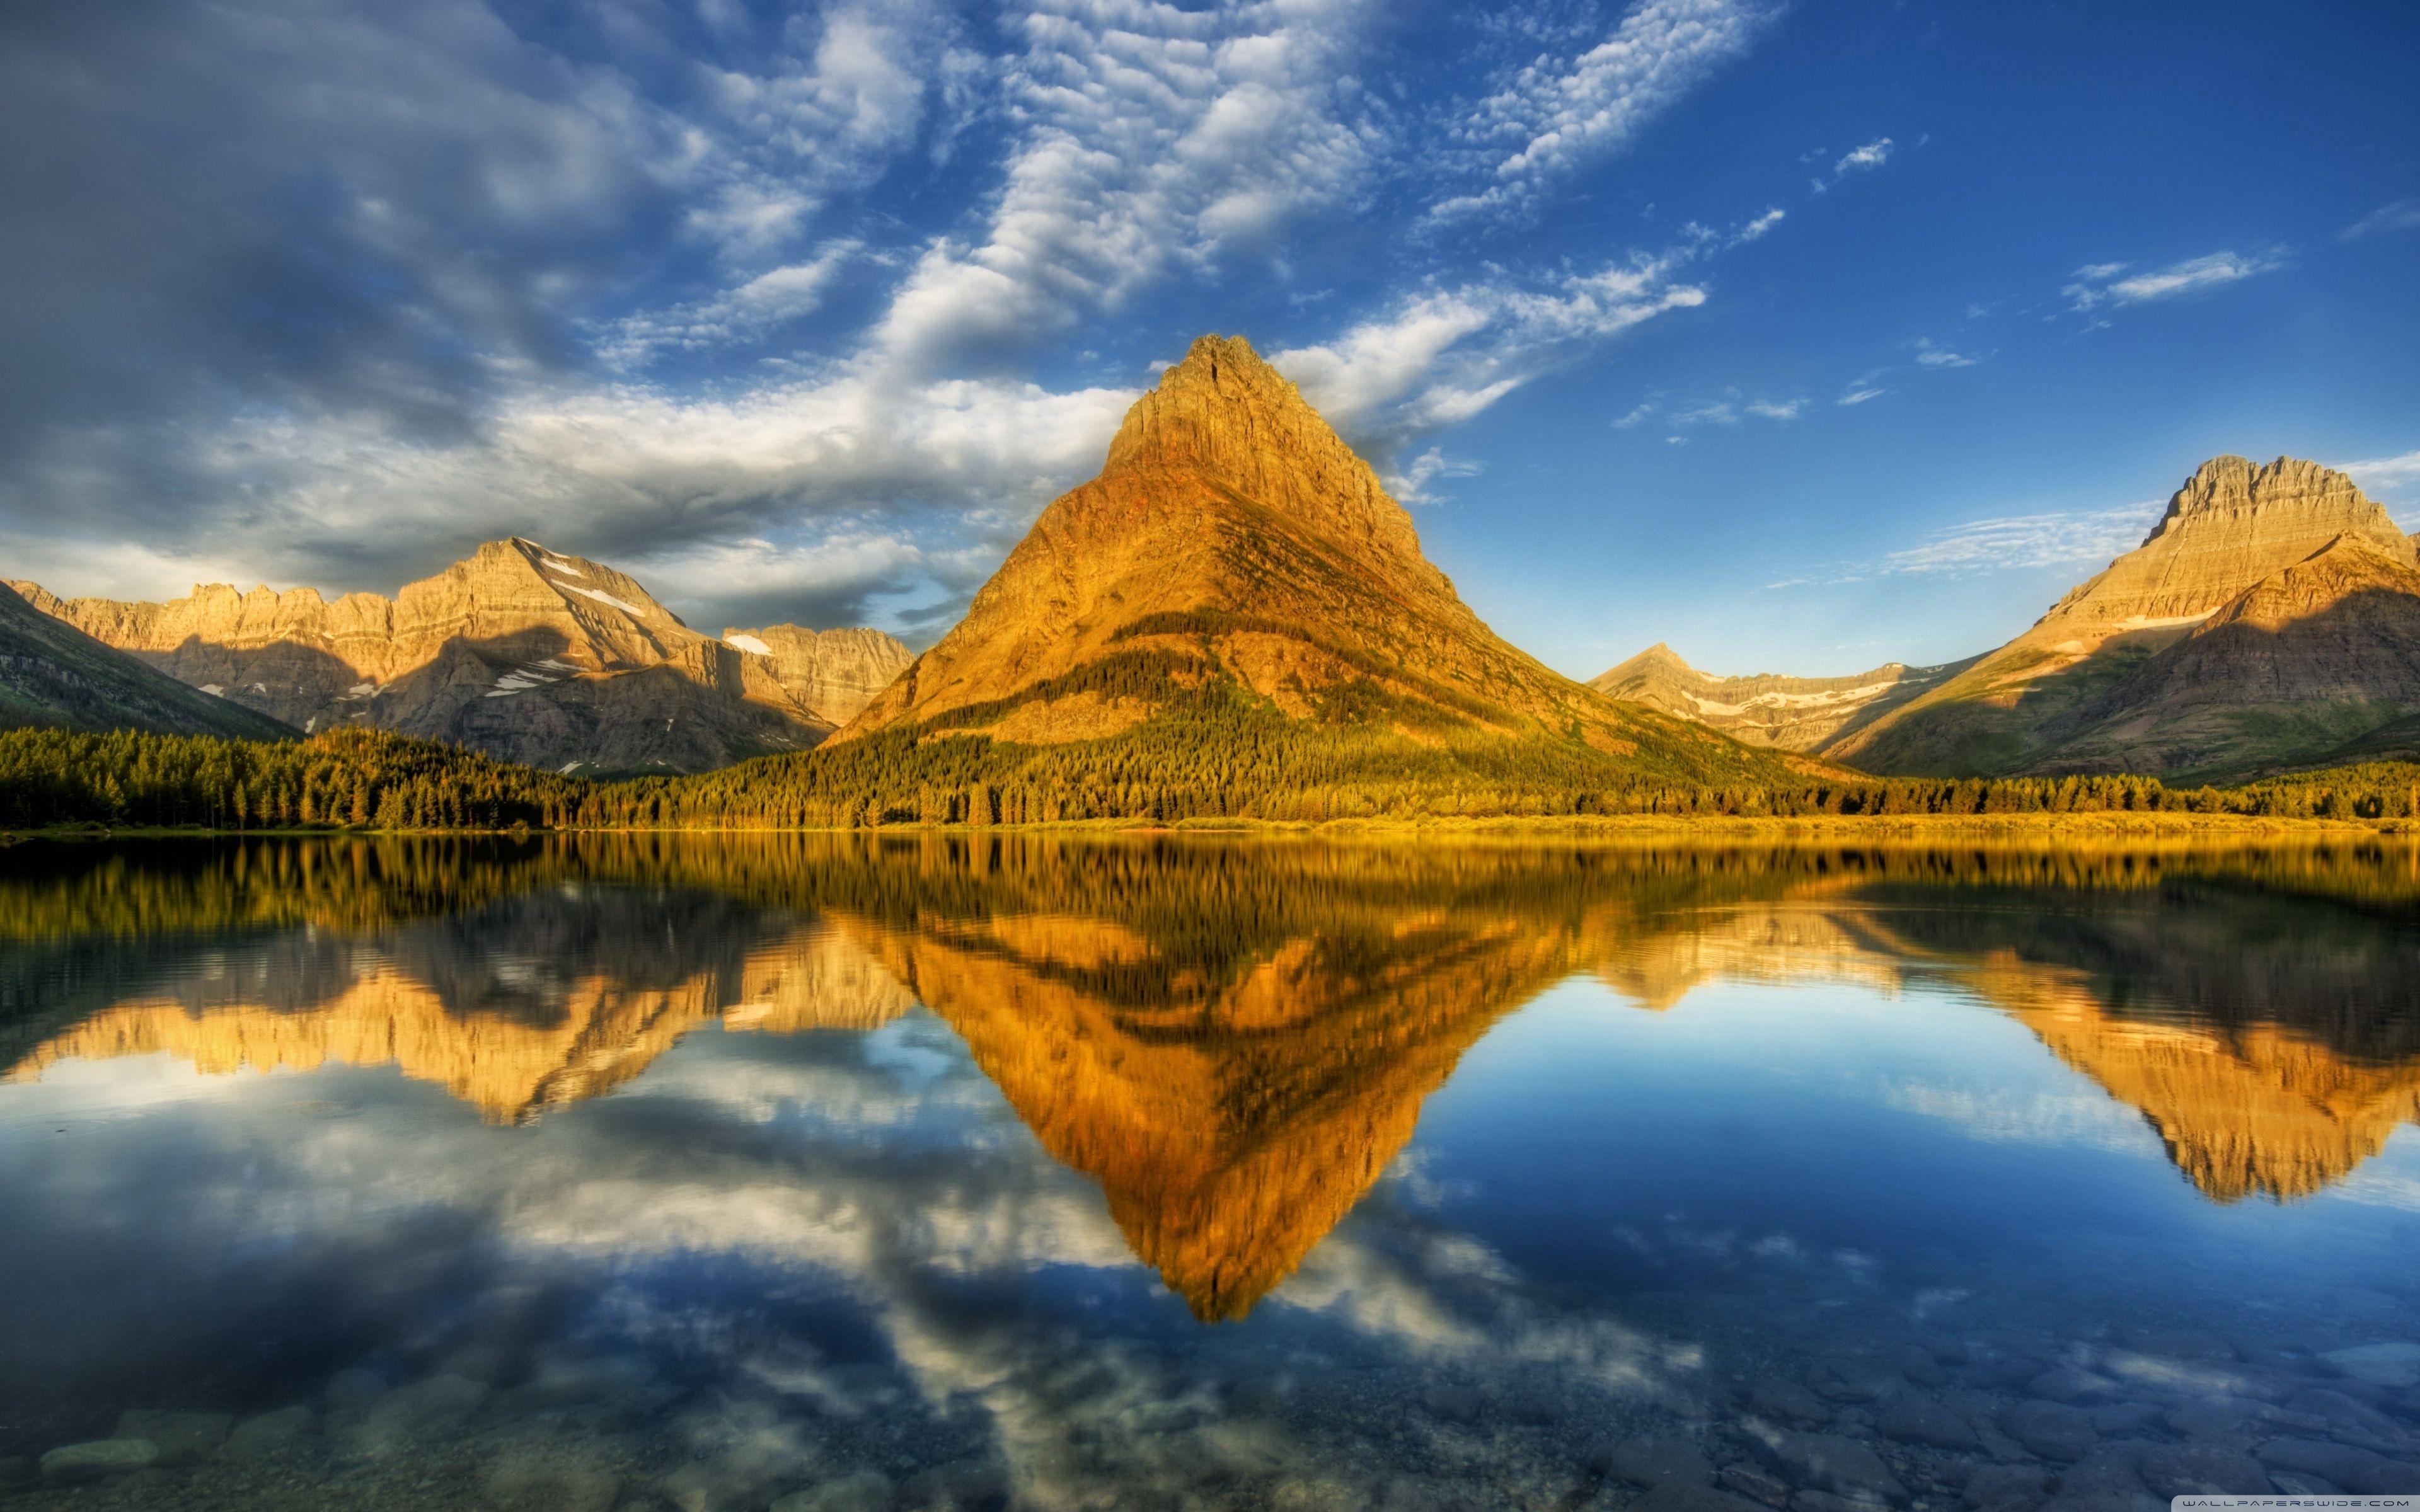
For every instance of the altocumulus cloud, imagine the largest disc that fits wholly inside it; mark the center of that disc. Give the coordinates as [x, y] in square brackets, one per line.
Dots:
[798, 314]
[2101, 285]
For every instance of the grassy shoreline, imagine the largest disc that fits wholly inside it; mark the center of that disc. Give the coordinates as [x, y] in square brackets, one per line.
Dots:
[1576, 826]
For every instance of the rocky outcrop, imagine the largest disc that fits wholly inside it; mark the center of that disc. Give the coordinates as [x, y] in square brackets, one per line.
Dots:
[1234, 540]
[53, 673]
[830, 673]
[2080, 689]
[1766, 708]
[517, 651]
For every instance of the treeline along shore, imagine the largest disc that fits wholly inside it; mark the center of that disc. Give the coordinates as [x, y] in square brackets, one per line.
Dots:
[366, 780]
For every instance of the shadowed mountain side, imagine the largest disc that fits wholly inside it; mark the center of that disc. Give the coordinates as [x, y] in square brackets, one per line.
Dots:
[2308, 660]
[53, 673]
[1232, 1125]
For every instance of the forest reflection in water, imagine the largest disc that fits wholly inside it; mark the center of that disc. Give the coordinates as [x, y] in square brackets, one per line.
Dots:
[1233, 1039]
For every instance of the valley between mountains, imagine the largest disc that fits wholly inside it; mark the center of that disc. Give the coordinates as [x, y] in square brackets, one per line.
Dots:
[1236, 618]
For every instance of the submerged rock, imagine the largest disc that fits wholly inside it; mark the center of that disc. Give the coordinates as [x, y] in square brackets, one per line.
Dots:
[1653, 1460]
[2394, 1363]
[1755, 1485]
[2201, 1470]
[1914, 1417]
[2050, 1429]
[182, 1437]
[2066, 1383]
[549, 1479]
[2364, 1472]
[269, 1433]
[1828, 1462]
[2006, 1488]
[71, 1465]
[1692, 1499]
[2226, 1419]
[1778, 1397]
[868, 1490]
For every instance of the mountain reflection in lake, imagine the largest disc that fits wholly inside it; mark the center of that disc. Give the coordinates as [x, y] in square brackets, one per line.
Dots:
[838, 1173]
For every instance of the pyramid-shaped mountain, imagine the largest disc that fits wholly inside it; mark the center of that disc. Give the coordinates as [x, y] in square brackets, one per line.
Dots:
[2271, 618]
[1233, 543]
[519, 651]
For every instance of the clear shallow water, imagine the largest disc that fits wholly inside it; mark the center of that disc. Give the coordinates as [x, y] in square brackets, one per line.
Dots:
[708, 1174]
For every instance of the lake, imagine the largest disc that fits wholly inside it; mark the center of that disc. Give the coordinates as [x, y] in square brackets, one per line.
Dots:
[828, 1173]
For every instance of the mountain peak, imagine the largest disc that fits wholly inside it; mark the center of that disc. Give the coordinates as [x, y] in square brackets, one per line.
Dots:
[2232, 485]
[1228, 416]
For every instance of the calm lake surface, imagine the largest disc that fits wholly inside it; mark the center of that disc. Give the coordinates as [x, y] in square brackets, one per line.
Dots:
[832, 1174]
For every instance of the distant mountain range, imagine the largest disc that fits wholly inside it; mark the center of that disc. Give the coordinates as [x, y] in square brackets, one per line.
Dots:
[519, 651]
[1235, 602]
[2270, 620]
[1767, 709]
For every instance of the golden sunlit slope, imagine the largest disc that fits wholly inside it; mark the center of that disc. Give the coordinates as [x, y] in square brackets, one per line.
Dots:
[1234, 541]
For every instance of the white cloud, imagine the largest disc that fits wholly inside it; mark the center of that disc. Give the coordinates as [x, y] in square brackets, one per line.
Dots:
[1154, 139]
[1559, 112]
[2098, 285]
[633, 472]
[1773, 409]
[1872, 155]
[812, 121]
[1759, 226]
[1411, 485]
[1930, 355]
[1442, 357]
[2021, 541]
[2384, 475]
[2005, 544]
[762, 303]
[2402, 215]
[1860, 395]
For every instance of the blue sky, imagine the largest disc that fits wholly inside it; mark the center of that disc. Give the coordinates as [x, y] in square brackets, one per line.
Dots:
[1801, 336]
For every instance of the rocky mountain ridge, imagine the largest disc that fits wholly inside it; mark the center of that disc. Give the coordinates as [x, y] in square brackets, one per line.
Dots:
[519, 651]
[1800, 713]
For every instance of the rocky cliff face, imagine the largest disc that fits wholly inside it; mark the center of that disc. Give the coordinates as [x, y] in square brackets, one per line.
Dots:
[517, 651]
[1234, 540]
[1767, 709]
[830, 673]
[2159, 663]
[53, 673]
